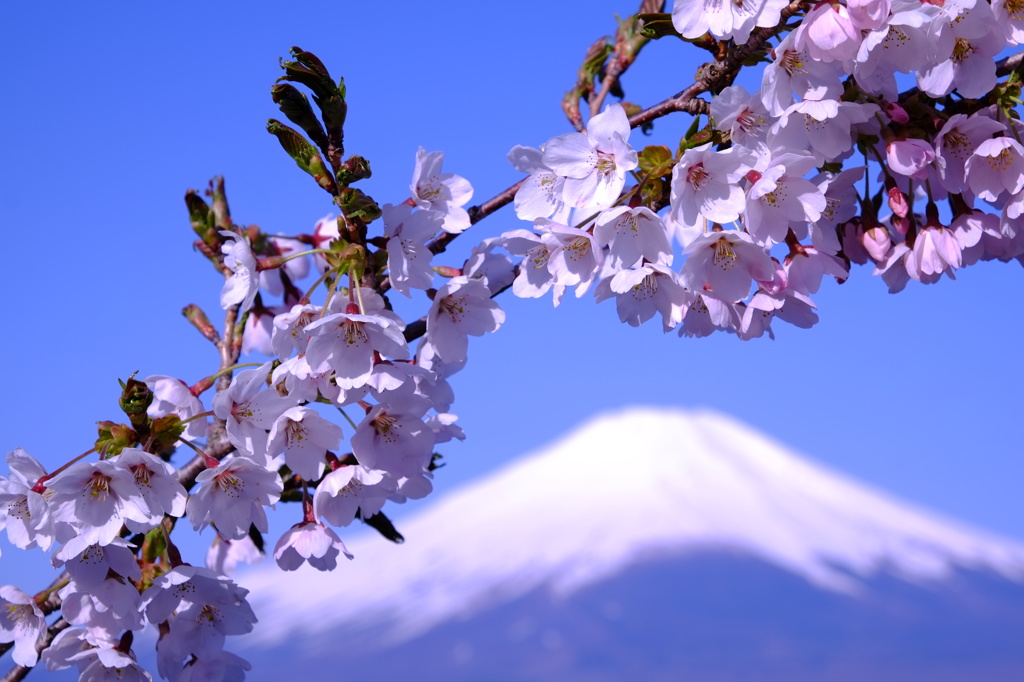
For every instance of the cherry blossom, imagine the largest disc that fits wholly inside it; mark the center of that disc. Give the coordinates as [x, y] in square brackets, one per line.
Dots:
[241, 287]
[233, 496]
[461, 308]
[443, 192]
[21, 622]
[594, 164]
[310, 542]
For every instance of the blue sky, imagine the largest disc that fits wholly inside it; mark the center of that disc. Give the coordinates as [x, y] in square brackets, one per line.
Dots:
[113, 112]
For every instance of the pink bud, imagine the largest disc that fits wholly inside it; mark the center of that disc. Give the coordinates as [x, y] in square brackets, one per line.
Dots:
[898, 202]
[877, 243]
[897, 113]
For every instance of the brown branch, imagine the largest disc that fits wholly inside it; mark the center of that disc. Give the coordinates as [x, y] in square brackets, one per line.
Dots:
[628, 43]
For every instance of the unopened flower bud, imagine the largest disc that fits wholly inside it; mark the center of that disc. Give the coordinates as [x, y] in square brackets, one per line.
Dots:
[898, 202]
[876, 242]
[897, 113]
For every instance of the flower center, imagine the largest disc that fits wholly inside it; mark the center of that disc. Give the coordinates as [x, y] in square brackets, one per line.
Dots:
[454, 306]
[697, 176]
[725, 257]
[962, 50]
[99, 487]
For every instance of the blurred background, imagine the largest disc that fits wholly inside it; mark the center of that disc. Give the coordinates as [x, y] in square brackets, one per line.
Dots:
[114, 111]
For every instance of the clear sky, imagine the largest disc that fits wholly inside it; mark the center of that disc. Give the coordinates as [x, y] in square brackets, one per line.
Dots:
[114, 110]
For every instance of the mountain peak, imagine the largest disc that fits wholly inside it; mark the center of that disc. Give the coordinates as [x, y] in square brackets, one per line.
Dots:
[625, 487]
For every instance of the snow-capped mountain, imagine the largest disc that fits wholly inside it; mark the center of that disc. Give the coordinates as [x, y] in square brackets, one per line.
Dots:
[640, 492]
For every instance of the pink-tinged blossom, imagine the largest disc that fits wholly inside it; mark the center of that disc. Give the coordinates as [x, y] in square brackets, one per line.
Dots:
[249, 408]
[892, 270]
[937, 249]
[841, 205]
[25, 513]
[409, 257]
[540, 195]
[722, 265]
[241, 287]
[1009, 14]
[969, 228]
[969, 67]
[868, 15]
[789, 306]
[91, 566]
[438, 191]
[487, 263]
[956, 142]
[823, 128]
[96, 498]
[304, 385]
[631, 234]
[594, 163]
[795, 72]
[158, 484]
[185, 586]
[705, 184]
[577, 259]
[101, 664]
[200, 608]
[114, 601]
[311, 542]
[61, 653]
[807, 266]
[304, 437]
[173, 396]
[829, 33]
[643, 292]
[349, 490]
[290, 333]
[534, 278]
[724, 20]
[22, 623]
[902, 44]
[394, 442]
[346, 342]
[233, 496]
[399, 385]
[461, 308]
[743, 115]
[909, 157]
[780, 198]
[996, 166]
[707, 315]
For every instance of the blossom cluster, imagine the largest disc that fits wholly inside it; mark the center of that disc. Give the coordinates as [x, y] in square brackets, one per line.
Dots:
[349, 352]
[769, 205]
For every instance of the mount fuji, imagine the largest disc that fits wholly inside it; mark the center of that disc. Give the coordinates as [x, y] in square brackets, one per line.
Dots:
[659, 545]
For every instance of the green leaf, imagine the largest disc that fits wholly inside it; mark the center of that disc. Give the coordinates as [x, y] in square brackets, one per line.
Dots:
[297, 108]
[656, 161]
[304, 154]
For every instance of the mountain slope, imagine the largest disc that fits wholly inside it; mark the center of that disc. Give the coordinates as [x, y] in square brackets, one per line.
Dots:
[627, 489]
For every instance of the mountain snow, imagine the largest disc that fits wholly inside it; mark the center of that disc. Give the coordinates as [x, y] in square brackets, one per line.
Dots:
[626, 487]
